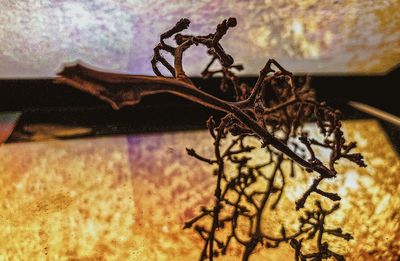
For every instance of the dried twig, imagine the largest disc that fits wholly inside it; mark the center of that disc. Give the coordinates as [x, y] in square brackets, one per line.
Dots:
[273, 110]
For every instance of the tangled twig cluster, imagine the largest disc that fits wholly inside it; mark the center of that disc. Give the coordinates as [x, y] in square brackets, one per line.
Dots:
[273, 111]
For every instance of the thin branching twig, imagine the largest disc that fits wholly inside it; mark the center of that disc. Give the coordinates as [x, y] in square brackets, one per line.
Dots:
[274, 111]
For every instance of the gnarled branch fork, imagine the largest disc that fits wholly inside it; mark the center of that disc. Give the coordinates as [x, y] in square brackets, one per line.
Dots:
[121, 90]
[251, 113]
[274, 104]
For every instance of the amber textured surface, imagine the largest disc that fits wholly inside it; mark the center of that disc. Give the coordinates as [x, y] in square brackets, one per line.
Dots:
[38, 36]
[126, 198]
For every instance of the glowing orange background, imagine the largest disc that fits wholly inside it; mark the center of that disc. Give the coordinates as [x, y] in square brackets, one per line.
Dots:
[126, 198]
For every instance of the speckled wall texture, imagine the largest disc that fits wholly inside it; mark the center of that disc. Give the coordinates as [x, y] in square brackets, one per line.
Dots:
[127, 198]
[37, 36]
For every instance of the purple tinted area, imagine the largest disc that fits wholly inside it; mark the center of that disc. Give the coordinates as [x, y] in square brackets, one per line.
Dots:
[37, 37]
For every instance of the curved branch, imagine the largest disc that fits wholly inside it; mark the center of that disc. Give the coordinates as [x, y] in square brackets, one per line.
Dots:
[121, 90]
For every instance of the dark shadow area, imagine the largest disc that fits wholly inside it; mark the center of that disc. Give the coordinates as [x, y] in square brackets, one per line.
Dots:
[42, 101]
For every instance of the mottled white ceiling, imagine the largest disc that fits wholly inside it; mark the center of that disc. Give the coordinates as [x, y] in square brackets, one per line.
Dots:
[37, 36]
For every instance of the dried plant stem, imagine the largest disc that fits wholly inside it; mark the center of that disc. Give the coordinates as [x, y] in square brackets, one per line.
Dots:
[273, 110]
[139, 86]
